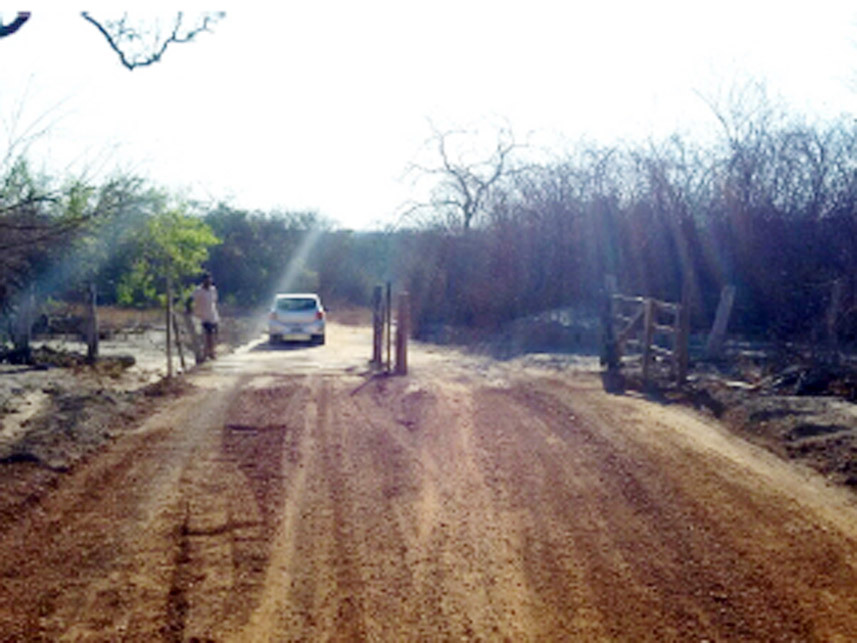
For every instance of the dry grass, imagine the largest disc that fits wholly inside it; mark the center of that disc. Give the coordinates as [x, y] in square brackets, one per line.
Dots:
[116, 317]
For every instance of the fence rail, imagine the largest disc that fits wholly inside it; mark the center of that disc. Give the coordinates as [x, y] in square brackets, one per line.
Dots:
[635, 321]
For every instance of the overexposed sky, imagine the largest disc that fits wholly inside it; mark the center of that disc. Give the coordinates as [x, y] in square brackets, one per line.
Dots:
[323, 105]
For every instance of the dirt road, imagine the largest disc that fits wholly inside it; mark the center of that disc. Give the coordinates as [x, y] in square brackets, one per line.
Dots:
[289, 496]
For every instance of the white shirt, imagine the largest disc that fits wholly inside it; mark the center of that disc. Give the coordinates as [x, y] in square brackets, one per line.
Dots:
[205, 304]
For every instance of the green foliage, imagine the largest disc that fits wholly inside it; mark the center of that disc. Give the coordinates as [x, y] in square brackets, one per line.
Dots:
[103, 249]
[76, 200]
[20, 185]
[38, 220]
[137, 288]
[260, 249]
[177, 243]
[171, 245]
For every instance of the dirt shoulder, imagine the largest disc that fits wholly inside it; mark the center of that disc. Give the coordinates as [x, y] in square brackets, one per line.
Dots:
[815, 426]
[58, 411]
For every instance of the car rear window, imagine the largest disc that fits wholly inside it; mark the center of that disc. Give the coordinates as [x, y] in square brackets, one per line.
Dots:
[295, 304]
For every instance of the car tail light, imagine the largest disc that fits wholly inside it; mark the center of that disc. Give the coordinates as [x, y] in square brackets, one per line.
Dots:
[319, 314]
[272, 315]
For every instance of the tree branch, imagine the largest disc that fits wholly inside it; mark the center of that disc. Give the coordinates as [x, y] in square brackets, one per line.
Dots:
[116, 32]
[12, 27]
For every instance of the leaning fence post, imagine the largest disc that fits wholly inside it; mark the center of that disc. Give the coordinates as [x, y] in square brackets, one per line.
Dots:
[195, 339]
[717, 336]
[403, 330]
[22, 330]
[178, 340]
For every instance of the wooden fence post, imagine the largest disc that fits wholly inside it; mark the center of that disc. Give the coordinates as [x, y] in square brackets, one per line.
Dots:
[612, 356]
[676, 354]
[92, 325]
[389, 324]
[648, 337]
[377, 326]
[403, 330]
[832, 317]
[717, 336]
[169, 320]
[682, 337]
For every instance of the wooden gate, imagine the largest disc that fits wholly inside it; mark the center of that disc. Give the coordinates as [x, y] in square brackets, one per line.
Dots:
[650, 328]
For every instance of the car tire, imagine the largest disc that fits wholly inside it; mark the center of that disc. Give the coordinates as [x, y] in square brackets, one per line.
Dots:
[318, 340]
[275, 339]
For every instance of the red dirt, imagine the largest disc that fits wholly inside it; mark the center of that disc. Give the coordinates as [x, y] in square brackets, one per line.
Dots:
[288, 495]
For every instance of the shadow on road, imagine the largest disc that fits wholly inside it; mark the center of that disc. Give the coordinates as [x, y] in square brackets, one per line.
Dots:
[284, 346]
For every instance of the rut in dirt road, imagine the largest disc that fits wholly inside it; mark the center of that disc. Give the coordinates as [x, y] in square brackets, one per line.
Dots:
[289, 498]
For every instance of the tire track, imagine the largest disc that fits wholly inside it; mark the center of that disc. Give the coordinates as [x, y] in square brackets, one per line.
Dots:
[284, 604]
[705, 566]
[97, 555]
[467, 501]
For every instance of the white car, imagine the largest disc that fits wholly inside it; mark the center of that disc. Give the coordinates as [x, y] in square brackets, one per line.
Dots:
[296, 316]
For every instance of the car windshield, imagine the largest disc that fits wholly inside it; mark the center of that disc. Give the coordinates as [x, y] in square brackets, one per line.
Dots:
[292, 304]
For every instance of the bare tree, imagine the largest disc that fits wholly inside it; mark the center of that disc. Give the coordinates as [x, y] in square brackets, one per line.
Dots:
[464, 186]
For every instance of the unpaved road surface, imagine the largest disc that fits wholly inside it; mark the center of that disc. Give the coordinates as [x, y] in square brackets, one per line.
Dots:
[290, 496]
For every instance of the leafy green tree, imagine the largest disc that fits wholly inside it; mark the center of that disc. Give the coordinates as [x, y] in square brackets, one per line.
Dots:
[172, 245]
[260, 249]
[35, 218]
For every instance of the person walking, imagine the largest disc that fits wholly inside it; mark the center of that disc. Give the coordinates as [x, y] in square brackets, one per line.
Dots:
[205, 309]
